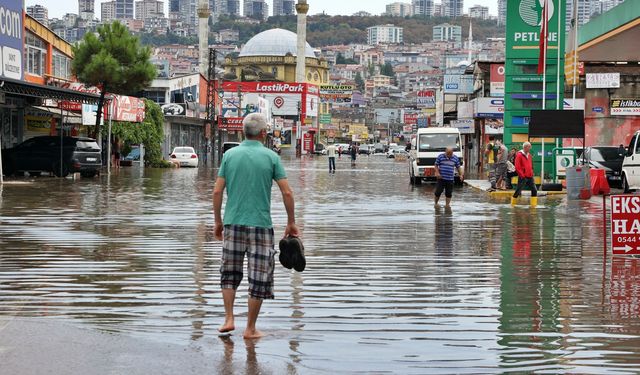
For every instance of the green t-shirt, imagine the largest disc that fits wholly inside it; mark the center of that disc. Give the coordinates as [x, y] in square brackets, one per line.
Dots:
[249, 171]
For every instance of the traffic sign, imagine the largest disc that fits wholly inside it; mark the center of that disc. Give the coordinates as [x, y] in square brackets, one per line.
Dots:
[625, 224]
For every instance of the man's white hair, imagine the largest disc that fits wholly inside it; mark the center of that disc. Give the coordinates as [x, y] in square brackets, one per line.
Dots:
[526, 144]
[253, 124]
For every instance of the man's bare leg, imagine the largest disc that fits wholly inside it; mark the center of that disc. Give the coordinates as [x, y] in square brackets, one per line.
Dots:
[448, 202]
[254, 309]
[229, 297]
[437, 200]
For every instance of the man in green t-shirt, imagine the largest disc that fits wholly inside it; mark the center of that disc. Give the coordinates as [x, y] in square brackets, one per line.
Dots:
[247, 173]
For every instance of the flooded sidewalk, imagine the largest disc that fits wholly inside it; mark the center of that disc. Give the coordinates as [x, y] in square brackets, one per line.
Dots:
[127, 267]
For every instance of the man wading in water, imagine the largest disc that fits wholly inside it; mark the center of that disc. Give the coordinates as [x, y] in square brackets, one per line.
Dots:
[247, 172]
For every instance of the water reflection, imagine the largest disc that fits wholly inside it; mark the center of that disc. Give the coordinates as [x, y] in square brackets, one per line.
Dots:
[392, 285]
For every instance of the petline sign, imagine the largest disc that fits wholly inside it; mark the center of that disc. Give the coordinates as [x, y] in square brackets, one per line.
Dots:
[625, 224]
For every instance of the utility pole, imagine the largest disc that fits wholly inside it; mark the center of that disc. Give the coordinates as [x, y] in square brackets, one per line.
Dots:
[211, 123]
[299, 132]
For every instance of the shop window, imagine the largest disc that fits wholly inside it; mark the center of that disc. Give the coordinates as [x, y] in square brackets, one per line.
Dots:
[61, 66]
[35, 55]
[274, 71]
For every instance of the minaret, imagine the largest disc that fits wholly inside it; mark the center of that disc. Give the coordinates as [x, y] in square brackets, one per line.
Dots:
[470, 41]
[302, 8]
[203, 35]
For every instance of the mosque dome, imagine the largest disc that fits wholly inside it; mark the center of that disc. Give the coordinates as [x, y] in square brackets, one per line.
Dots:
[274, 42]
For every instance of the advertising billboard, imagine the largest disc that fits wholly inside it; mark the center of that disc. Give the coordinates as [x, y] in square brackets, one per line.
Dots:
[603, 80]
[336, 94]
[11, 39]
[426, 99]
[458, 84]
[488, 108]
[497, 80]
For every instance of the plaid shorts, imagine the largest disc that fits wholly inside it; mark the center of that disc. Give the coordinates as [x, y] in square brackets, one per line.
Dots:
[257, 243]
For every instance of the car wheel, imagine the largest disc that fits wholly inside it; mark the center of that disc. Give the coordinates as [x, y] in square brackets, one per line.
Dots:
[9, 169]
[91, 174]
[60, 171]
[625, 185]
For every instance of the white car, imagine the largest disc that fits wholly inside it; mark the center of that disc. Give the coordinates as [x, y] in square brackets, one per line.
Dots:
[185, 157]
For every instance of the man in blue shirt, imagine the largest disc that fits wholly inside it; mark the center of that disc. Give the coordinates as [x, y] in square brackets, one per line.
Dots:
[446, 165]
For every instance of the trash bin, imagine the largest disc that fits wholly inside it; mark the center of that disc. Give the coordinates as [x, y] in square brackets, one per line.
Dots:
[577, 179]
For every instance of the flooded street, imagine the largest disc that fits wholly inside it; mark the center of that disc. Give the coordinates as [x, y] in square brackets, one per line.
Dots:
[392, 285]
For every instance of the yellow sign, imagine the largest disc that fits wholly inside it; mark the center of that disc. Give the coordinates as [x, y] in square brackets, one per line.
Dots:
[308, 121]
[571, 74]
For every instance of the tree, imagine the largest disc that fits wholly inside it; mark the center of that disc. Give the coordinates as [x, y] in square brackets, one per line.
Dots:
[359, 81]
[340, 59]
[387, 70]
[114, 61]
[150, 132]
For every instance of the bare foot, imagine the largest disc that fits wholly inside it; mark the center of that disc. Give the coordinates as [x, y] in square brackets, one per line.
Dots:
[228, 326]
[252, 334]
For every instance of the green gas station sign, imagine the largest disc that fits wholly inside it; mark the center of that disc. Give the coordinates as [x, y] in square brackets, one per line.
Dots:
[523, 86]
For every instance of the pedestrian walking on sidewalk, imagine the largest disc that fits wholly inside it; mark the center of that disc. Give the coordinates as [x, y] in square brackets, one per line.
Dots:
[446, 165]
[247, 173]
[511, 167]
[501, 165]
[524, 168]
[491, 153]
[331, 153]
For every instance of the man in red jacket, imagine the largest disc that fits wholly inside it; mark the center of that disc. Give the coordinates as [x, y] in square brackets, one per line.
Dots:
[524, 168]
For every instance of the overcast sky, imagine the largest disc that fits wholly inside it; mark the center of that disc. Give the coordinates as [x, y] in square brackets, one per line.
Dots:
[58, 8]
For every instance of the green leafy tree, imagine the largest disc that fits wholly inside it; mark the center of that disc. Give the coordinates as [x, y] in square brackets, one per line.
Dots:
[340, 59]
[150, 132]
[114, 61]
[387, 70]
[359, 81]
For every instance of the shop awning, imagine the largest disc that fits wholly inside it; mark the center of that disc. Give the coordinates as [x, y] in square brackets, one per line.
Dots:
[13, 87]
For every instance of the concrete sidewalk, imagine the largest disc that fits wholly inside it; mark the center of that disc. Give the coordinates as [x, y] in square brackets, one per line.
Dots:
[484, 185]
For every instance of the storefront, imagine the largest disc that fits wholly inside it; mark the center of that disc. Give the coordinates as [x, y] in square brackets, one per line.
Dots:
[287, 103]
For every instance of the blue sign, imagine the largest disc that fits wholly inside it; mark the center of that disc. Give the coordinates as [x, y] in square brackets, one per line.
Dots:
[458, 84]
[11, 39]
[598, 109]
[520, 121]
[423, 123]
[532, 96]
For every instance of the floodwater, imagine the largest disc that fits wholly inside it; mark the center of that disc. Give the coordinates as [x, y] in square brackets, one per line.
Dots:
[392, 284]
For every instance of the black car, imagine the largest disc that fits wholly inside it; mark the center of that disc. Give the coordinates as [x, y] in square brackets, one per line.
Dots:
[45, 154]
[608, 158]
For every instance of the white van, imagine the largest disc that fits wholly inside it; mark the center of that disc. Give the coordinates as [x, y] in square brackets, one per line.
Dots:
[631, 165]
[427, 145]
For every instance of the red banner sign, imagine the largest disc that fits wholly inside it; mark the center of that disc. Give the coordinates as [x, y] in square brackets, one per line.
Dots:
[625, 224]
[410, 118]
[231, 123]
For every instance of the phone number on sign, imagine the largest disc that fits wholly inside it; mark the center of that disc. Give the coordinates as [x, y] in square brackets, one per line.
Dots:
[629, 239]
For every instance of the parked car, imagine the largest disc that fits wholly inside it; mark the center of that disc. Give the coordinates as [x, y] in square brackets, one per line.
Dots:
[610, 159]
[320, 149]
[378, 148]
[134, 155]
[228, 146]
[631, 165]
[185, 157]
[365, 149]
[43, 154]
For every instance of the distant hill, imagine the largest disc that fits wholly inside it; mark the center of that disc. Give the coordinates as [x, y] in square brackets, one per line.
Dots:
[324, 30]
